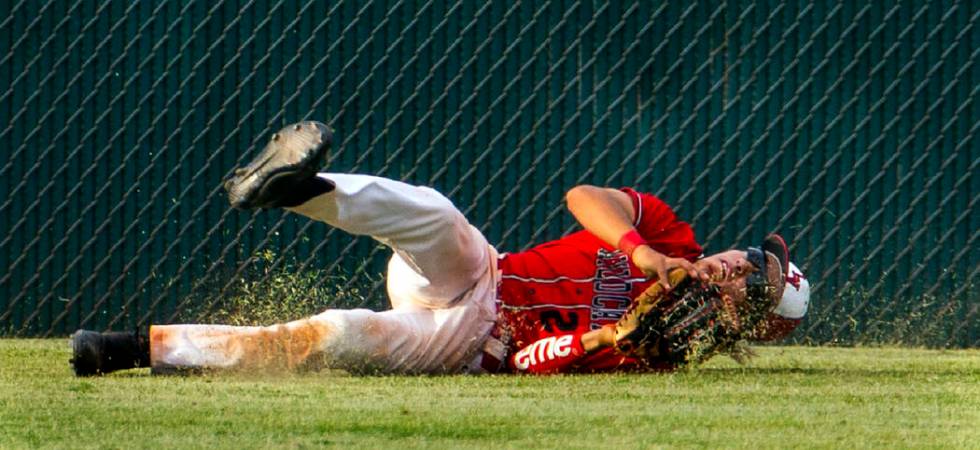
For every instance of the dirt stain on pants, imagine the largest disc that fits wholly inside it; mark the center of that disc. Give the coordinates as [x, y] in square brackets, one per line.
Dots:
[287, 346]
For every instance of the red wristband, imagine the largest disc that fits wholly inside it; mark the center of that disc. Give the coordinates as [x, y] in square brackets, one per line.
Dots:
[629, 242]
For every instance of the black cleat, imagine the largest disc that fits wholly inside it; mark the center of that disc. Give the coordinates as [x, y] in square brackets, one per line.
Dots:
[95, 353]
[86, 349]
[287, 163]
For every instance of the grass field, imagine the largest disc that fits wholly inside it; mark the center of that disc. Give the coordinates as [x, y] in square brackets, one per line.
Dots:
[788, 397]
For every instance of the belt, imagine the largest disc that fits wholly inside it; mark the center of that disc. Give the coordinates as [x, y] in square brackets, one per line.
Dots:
[494, 358]
[494, 355]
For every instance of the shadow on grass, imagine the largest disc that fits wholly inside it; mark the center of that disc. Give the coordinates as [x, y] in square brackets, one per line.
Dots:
[824, 371]
[719, 372]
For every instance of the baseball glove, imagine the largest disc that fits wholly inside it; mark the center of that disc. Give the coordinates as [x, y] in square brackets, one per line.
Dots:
[694, 320]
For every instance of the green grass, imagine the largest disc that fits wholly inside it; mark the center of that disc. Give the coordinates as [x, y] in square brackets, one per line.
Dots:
[788, 397]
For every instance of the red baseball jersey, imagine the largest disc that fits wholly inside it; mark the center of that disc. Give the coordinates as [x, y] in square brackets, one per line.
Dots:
[579, 283]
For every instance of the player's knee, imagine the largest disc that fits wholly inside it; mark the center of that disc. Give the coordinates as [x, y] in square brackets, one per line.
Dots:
[346, 325]
[355, 340]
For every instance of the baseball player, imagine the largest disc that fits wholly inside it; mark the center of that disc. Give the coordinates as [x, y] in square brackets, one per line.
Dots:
[457, 304]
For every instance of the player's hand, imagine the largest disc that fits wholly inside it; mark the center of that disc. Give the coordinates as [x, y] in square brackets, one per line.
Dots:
[654, 263]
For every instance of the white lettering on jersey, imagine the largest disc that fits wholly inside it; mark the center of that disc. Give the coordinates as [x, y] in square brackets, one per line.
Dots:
[611, 288]
[543, 350]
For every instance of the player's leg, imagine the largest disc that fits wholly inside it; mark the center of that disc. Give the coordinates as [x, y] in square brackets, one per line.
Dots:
[361, 341]
[429, 235]
[409, 339]
[438, 254]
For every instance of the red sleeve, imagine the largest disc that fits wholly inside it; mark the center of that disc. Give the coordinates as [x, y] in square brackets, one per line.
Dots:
[658, 225]
[553, 354]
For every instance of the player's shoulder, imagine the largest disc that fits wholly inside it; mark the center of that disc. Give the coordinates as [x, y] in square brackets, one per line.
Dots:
[648, 206]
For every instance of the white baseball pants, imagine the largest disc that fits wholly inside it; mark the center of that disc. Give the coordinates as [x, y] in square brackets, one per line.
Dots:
[441, 281]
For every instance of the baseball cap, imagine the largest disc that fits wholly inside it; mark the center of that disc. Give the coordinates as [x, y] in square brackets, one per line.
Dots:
[796, 295]
[794, 298]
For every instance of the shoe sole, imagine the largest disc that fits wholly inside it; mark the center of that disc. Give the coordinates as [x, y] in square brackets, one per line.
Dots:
[296, 151]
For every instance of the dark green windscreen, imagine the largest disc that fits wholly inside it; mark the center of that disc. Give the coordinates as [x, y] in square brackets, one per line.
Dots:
[850, 127]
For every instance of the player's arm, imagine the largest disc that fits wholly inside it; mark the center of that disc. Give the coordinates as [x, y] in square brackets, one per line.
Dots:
[598, 339]
[609, 215]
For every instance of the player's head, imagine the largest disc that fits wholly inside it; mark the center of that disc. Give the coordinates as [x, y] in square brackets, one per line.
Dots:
[766, 272]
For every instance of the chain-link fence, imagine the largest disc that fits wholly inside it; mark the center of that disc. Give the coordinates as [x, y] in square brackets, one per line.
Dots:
[848, 126]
